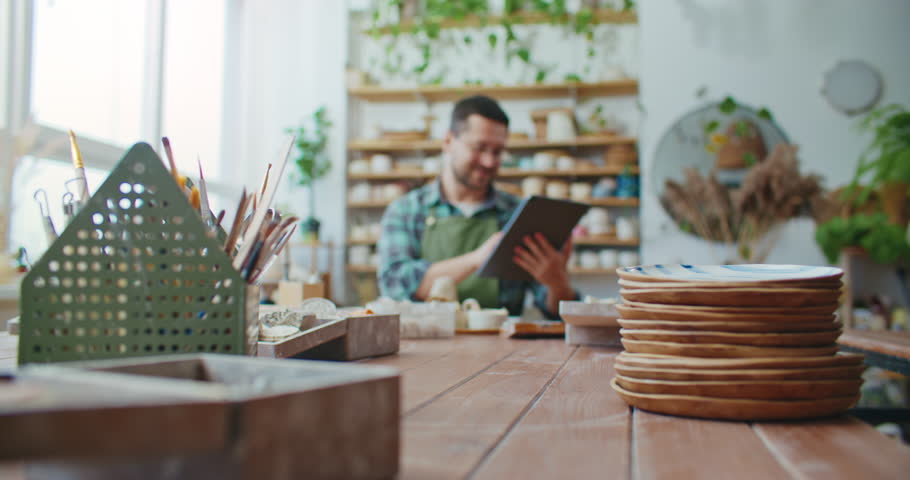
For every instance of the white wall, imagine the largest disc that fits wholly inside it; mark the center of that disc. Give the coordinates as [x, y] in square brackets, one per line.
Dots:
[285, 59]
[766, 53]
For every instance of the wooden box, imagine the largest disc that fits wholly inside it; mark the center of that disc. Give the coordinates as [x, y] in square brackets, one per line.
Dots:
[204, 416]
[350, 338]
[590, 323]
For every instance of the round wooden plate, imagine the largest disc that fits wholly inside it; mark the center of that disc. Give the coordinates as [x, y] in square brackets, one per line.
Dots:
[749, 312]
[653, 373]
[792, 339]
[735, 409]
[718, 350]
[636, 313]
[667, 362]
[759, 327]
[761, 274]
[733, 297]
[822, 284]
[749, 389]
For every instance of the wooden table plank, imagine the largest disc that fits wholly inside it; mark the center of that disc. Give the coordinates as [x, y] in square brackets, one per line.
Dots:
[448, 437]
[423, 383]
[413, 353]
[666, 446]
[578, 429]
[896, 344]
[836, 448]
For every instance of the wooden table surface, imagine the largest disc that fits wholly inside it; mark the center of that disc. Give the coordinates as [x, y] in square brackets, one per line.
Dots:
[896, 344]
[489, 407]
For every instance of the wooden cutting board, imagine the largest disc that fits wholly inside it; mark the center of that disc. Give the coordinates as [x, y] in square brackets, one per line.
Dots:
[734, 297]
[735, 409]
[767, 311]
[711, 326]
[792, 339]
[747, 389]
[654, 373]
[723, 350]
[669, 362]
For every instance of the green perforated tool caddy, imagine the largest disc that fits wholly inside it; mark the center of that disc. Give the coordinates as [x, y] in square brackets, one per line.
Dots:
[135, 274]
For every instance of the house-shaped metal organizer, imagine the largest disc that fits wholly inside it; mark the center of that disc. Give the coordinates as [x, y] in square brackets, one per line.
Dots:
[135, 273]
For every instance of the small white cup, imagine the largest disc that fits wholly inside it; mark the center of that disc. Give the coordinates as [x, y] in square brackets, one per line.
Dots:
[532, 186]
[360, 192]
[580, 191]
[359, 254]
[359, 166]
[565, 162]
[626, 228]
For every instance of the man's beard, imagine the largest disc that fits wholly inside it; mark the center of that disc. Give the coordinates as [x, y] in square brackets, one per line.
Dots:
[464, 178]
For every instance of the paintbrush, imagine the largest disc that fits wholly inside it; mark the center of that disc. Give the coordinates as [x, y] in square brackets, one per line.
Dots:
[259, 215]
[204, 198]
[170, 158]
[235, 225]
[79, 168]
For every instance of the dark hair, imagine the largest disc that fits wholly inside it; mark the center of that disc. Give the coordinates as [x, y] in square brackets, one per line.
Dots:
[477, 105]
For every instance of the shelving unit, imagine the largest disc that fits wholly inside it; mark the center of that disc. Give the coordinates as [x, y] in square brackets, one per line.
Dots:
[521, 18]
[412, 174]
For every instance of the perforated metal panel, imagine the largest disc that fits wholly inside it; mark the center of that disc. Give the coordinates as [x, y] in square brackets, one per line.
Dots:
[133, 274]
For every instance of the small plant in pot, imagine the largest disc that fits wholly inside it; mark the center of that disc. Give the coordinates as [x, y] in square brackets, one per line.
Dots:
[312, 164]
[874, 208]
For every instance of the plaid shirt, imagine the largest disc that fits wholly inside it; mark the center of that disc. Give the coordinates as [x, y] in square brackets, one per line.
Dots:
[401, 267]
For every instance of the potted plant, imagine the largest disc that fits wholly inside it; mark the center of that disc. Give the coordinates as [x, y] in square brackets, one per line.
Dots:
[875, 206]
[312, 164]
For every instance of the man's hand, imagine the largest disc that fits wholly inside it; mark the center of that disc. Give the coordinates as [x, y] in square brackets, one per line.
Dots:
[484, 250]
[543, 262]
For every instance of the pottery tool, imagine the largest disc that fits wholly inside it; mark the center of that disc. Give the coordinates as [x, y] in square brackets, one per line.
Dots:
[220, 218]
[171, 162]
[235, 225]
[79, 168]
[205, 211]
[69, 207]
[274, 252]
[265, 182]
[48, 223]
[259, 215]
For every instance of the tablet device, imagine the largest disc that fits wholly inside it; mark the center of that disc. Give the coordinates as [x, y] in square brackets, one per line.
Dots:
[554, 218]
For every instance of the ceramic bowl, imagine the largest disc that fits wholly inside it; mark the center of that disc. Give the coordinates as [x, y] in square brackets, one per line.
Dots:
[487, 319]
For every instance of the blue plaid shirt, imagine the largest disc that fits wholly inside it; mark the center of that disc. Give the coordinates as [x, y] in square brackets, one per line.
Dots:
[401, 267]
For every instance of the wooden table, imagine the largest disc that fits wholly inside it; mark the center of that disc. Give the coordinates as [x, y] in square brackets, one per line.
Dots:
[888, 350]
[489, 407]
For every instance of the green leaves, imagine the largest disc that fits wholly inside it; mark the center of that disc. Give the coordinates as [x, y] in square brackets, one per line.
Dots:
[763, 113]
[492, 39]
[572, 77]
[885, 242]
[524, 55]
[750, 158]
[541, 76]
[727, 106]
[711, 126]
[311, 140]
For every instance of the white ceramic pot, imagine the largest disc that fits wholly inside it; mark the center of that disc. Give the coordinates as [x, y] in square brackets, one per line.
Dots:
[359, 166]
[560, 126]
[558, 189]
[544, 161]
[431, 165]
[487, 319]
[626, 228]
[608, 258]
[580, 191]
[597, 221]
[391, 191]
[532, 186]
[359, 255]
[589, 259]
[360, 192]
[565, 162]
[628, 259]
[381, 163]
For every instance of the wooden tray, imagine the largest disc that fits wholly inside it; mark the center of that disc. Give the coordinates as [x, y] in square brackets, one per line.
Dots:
[544, 328]
[735, 409]
[653, 373]
[351, 338]
[748, 389]
[723, 350]
[734, 297]
[797, 339]
[670, 362]
[477, 331]
[758, 327]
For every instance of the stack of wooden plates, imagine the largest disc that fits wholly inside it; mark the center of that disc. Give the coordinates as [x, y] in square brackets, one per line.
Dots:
[744, 342]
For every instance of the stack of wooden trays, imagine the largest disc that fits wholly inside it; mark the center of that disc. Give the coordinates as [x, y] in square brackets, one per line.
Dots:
[744, 342]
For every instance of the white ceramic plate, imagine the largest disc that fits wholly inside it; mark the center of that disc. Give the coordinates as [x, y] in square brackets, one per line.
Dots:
[728, 273]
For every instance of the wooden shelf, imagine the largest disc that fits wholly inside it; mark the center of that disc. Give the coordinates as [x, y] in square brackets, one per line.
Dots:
[370, 204]
[605, 240]
[515, 144]
[592, 271]
[614, 202]
[361, 268]
[394, 175]
[436, 93]
[513, 173]
[581, 172]
[366, 241]
[603, 15]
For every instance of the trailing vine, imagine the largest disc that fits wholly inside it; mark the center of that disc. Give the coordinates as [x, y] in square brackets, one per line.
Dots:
[426, 31]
